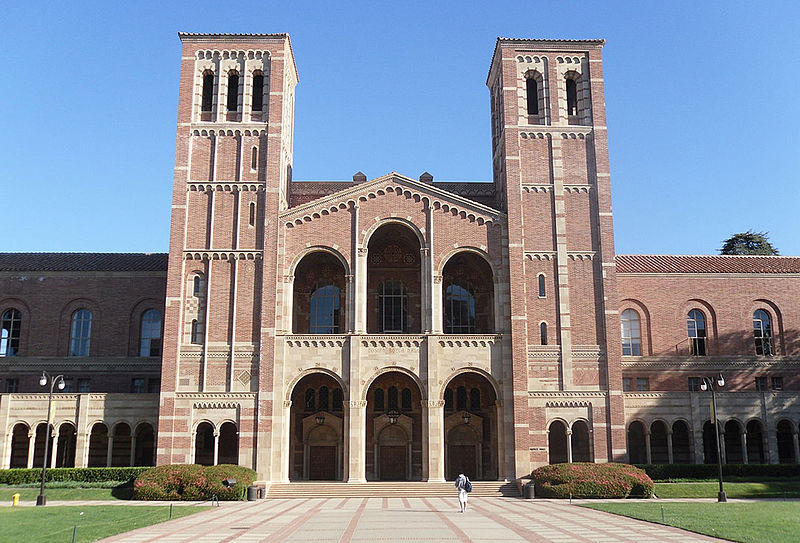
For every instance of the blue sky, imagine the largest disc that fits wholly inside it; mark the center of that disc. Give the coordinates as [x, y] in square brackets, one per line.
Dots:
[702, 103]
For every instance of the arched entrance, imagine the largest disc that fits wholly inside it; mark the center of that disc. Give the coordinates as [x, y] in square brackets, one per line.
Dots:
[733, 443]
[204, 444]
[468, 292]
[316, 429]
[659, 453]
[637, 447]
[42, 433]
[121, 445]
[394, 428]
[557, 442]
[470, 427]
[755, 443]
[581, 443]
[709, 443]
[65, 451]
[145, 454]
[319, 295]
[228, 444]
[98, 446]
[681, 443]
[19, 446]
[785, 442]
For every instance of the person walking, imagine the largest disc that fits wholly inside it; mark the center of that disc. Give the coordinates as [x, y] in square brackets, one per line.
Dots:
[464, 487]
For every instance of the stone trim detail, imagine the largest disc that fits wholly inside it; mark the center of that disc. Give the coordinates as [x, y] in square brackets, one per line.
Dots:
[222, 255]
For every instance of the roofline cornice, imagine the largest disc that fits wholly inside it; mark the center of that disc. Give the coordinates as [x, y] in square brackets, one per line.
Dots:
[543, 45]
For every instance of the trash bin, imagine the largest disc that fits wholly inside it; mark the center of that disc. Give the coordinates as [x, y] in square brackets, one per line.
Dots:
[529, 491]
[252, 493]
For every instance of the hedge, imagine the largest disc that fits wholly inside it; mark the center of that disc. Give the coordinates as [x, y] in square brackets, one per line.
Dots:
[21, 476]
[667, 472]
[589, 480]
[192, 482]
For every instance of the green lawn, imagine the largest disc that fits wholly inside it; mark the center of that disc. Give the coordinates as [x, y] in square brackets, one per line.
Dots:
[54, 494]
[757, 522]
[55, 524]
[768, 489]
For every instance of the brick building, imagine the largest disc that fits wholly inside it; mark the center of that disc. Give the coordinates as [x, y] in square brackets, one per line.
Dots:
[396, 328]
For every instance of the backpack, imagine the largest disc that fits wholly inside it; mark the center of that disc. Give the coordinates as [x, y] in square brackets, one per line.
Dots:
[468, 486]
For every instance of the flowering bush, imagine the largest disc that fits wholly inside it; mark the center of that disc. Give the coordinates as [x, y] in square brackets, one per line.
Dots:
[192, 482]
[588, 480]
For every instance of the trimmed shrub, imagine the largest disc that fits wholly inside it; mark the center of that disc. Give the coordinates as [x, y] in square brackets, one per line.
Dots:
[192, 482]
[85, 475]
[668, 472]
[589, 480]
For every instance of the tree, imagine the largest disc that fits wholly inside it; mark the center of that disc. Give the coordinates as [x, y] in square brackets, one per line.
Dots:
[748, 243]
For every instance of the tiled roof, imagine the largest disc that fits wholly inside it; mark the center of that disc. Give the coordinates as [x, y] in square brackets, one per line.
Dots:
[29, 262]
[707, 264]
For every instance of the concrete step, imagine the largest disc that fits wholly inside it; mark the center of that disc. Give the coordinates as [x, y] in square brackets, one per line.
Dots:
[377, 489]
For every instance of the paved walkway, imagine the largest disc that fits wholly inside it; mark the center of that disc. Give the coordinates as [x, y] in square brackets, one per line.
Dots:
[406, 519]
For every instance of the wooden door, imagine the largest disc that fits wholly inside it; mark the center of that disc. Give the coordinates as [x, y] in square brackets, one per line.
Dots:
[322, 463]
[461, 459]
[393, 462]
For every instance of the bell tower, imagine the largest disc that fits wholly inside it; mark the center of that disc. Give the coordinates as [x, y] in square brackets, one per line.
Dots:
[550, 163]
[233, 164]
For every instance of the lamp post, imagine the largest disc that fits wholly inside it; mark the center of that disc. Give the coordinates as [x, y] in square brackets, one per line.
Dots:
[57, 381]
[708, 384]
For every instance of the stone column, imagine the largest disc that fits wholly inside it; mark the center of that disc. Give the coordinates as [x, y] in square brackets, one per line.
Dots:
[436, 304]
[569, 446]
[349, 295]
[436, 444]
[501, 441]
[743, 437]
[81, 437]
[54, 447]
[429, 300]
[361, 291]
[356, 441]
[669, 448]
[31, 447]
[286, 449]
[216, 447]
[109, 448]
[722, 448]
[425, 271]
[133, 450]
[647, 453]
[796, 447]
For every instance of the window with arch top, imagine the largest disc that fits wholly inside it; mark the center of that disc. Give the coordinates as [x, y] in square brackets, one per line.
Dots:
[207, 102]
[459, 315]
[762, 333]
[195, 334]
[572, 96]
[252, 218]
[9, 333]
[197, 286]
[542, 286]
[80, 333]
[258, 91]
[543, 333]
[532, 95]
[631, 333]
[696, 324]
[254, 158]
[233, 91]
[325, 310]
[150, 333]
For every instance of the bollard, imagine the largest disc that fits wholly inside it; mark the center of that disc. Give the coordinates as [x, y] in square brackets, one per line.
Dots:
[662, 515]
[74, 533]
[15, 500]
[170, 511]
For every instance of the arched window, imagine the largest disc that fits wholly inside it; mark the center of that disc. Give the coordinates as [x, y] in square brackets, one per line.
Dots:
[310, 399]
[762, 333]
[379, 403]
[325, 310]
[631, 333]
[572, 97]
[542, 289]
[258, 91]
[338, 399]
[80, 333]
[208, 91]
[392, 398]
[543, 333]
[461, 398]
[196, 338]
[392, 299]
[252, 219]
[233, 91]
[459, 317]
[532, 94]
[474, 399]
[197, 285]
[323, 398]
[405, 399]
[150, 333]
[254, 158]
[448, 398]
[696, 323]
[9, 334]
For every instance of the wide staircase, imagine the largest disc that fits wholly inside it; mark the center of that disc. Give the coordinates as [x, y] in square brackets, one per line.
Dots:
[383, 489]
